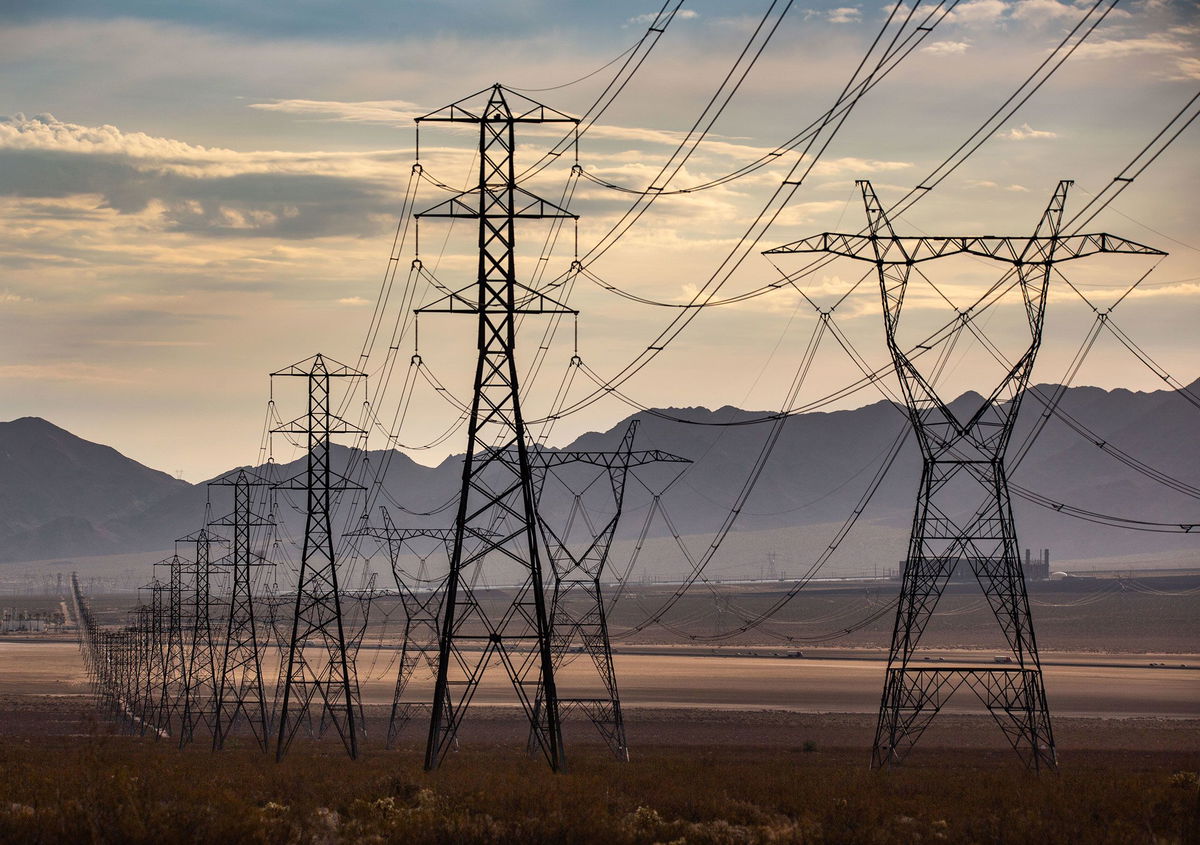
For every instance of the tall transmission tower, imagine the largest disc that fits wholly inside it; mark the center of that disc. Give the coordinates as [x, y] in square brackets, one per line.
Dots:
[578, 619]
[239, 685]
[964, 462]
[318, 662]
[496, 495]
[199, 690]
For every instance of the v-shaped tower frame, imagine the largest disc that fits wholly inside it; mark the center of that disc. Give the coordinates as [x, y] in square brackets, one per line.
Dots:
[955, 453]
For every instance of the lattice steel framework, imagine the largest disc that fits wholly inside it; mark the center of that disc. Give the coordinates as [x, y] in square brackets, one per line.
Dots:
[199, 689]
[421, 601]
[318, 662]
[356, 610]
[150, 660]
[239, 685]
[496, 495]
[967, 454]
[577, 614]
[168, 695]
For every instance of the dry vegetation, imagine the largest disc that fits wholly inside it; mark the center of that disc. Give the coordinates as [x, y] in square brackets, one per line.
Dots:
[116, 789]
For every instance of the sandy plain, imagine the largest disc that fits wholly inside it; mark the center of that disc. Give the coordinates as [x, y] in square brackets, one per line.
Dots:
[1160, 686]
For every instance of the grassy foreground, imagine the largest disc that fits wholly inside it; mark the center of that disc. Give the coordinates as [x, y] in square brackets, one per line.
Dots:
[117, 789]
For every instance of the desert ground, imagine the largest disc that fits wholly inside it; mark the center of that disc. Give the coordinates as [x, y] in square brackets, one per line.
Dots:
[754, 739]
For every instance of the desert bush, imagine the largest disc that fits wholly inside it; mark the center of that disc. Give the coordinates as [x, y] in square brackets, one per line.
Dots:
[120, 789]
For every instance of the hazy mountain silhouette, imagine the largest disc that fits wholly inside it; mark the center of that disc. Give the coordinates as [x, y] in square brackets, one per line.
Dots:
[65, 496]
[58, 492]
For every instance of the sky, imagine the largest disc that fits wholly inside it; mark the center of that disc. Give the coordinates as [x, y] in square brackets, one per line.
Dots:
[196, 194]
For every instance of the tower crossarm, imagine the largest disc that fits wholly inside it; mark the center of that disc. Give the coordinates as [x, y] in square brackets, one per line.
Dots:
[473, 109]
[608, 460]
[526, 301]
[525, 206]
[914, 250]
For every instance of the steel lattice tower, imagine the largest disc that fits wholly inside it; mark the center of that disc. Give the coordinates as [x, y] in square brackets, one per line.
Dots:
[964, 455]
[239, 686]
[317, 623]
[577, 613]
[199, 690]
[151, 660]
[169, 694]
[421, 601]
[496, 495]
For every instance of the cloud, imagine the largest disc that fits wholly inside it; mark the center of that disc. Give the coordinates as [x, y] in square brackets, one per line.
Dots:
[1039, 11]
[1189, 68]
[978, 12]
[386, 112]
[845, 14]
[649, 17]
[985, 183]
[1120, 47]
[153, 344]
[69, 371]
[209, 191]
[352, 300]
[1025, 132]
[948, 48]
[857, 166]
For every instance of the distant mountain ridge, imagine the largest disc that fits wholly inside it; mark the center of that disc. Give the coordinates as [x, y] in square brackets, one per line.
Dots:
[63, 496]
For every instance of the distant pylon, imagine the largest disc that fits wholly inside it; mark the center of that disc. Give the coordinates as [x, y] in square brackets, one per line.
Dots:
[496, 494]
[239, 685]
[151, 660]
[578, 618]
[199, 691]
[421, 601]
[318, 661]
[964, 463]
[173, 682]
[356, 610]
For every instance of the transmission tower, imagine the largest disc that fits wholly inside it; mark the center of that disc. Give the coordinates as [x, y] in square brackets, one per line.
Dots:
[150, 660]
[497, 494]
[577, 615]
[199, 690]
[356, 615]
[964, 462]
[168, 698]
[421, 601]
[239, 685]
[317, 662]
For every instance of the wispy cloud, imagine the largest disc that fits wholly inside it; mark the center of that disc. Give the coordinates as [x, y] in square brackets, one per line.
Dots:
[69, 371]
[845, 14]
[386, 112]
[1025, 132]
[978, 12]
[948, 48]
[649, 17]
[213, 191]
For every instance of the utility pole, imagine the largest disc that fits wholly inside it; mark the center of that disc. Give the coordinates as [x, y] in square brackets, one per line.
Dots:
[964, 462]
[317, 662]
[496, 494]
[239, 686]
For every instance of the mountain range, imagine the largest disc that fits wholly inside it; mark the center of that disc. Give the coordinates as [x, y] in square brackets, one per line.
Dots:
[63, 497]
